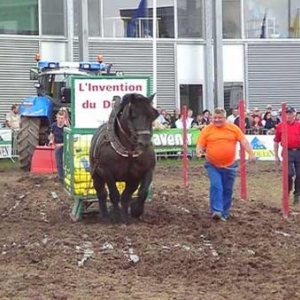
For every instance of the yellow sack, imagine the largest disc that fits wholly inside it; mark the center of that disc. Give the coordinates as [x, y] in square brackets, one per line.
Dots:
[82, 145]
[82, 169]
[80, 189]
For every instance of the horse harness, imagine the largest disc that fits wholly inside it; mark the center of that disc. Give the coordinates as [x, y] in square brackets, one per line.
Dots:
[112, 137]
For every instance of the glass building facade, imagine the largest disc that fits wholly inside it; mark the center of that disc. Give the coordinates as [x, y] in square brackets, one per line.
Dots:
[261, 46]
[183, 19]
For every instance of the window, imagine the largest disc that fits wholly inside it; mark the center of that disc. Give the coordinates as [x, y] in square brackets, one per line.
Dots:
[190, 18]
[269, 18]
[53, 17]
[19, 17]
[133, 18]
[231, 19]
[94, 17]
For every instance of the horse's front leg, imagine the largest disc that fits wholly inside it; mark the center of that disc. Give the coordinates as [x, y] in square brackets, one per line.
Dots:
[114, 196]
[99, 186]
[130, 188]
[137, 207]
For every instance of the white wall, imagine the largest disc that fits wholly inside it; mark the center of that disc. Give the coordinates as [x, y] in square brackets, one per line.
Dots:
[233, 63]
[53, 51]
[191, 65]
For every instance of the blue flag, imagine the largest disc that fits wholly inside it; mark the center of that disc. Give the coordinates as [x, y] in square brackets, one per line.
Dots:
[140, 13]
[263, 34]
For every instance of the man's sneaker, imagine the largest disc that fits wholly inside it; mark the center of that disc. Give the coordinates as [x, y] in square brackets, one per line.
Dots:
[218, 216]
[296, 199]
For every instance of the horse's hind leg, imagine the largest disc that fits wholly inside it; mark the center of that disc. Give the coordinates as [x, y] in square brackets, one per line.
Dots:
[126, 197]
[99, 186]
[137, 207]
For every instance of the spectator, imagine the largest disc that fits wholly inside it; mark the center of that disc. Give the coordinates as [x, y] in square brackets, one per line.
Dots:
[233, 116]
[174, 117]
[179, 123]
[159, 126]
[190, 118]
[269, 123]
[247, 122]
[57, 139]
[257, 125]
[256, 113]
[12, 119]
[268, 110]
[199, 122]
[161, 117]
[275, 118]
[298, 116]
[206, 114]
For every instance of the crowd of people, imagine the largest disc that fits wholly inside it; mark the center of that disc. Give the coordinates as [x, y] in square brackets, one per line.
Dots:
[256, 121]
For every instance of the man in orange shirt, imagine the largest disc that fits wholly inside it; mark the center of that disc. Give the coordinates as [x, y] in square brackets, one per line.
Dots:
[219, 141]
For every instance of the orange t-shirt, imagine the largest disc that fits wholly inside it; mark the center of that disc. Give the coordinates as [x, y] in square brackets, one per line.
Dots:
[220, 143]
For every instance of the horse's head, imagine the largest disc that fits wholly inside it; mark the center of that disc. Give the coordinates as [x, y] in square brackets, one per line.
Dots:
[137, 117]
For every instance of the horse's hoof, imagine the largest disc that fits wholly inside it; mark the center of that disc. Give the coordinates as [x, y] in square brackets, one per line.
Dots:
[136, 210]
[103, 218]
[115, 217]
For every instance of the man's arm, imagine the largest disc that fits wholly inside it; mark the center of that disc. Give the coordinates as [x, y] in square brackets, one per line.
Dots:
[245, 143]
[8, 120]
[51, 138]
[277, 140]
[276, 148]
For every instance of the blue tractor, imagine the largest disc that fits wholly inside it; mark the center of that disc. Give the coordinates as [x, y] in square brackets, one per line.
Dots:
[53, 92]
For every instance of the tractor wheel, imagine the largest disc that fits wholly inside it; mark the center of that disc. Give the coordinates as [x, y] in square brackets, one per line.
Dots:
[27, 141]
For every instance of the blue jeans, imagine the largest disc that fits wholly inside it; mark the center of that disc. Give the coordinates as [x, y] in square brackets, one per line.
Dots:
[59, 162]
[221, 187]
[294, 169]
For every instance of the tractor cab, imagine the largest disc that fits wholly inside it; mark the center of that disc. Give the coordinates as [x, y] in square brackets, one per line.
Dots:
[53, 92]
[54, 78]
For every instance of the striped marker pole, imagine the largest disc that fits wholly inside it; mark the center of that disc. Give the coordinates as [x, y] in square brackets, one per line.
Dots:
[285, 182]
[243, 176]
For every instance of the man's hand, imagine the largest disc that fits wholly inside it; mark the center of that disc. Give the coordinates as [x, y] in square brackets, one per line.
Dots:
[199, 153]
[252, 157]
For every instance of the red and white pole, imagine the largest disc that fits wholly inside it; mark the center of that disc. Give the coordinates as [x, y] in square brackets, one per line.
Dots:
[285, 179]
[185, 147]
[243, 176]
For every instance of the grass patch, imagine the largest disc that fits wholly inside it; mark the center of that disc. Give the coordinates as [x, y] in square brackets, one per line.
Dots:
[7, 163]
[165, 162]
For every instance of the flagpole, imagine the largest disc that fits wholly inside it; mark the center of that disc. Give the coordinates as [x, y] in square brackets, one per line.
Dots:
[154, 49]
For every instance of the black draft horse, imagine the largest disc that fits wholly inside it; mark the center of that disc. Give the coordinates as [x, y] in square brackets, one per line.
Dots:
[121, 150]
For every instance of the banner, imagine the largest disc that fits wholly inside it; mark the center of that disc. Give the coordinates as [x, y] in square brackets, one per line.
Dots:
[5, 143]
[171, 140]
[263, 147]
[92, 97]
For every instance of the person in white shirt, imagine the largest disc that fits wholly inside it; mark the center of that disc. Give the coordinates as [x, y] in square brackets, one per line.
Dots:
[12, 119]
[233, 116]
[179, 123]
[190, 118]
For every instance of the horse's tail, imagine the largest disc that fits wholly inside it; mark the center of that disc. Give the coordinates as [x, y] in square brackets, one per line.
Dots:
[97, 140]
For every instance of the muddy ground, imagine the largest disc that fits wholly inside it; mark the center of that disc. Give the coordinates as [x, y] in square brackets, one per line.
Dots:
[181, 252]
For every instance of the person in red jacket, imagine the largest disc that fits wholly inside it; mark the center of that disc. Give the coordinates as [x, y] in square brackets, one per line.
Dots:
[293, 144]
